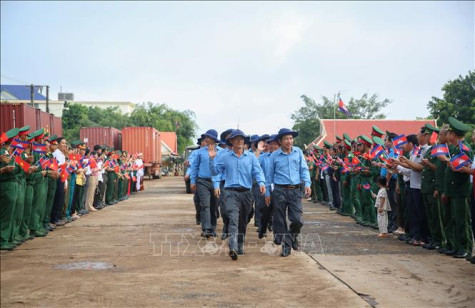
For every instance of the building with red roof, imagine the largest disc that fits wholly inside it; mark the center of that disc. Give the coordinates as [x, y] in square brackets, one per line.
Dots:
[329, 128]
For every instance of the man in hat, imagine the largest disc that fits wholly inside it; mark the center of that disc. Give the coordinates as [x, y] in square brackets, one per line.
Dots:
[207, 185]
[196, 198]
[367, 205]
[8, 190]
[239, 167]
[346, 206]
[457, 189]
[52, 179]
[288, 171]
[327, 146]
[59, 195]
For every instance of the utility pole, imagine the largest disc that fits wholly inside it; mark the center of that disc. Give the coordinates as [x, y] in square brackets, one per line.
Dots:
[32, 94]
[47, 99]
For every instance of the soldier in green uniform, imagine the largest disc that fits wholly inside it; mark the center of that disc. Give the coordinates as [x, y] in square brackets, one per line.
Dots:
[448, 235]
[51, 178]
[27, 205]
[457, 189]
[346, 206]
[356, 183]
[40, 191]
[367, 204]
[430, 202]
[8, 190]
[19, 207]
[316, 177]
[120, 178]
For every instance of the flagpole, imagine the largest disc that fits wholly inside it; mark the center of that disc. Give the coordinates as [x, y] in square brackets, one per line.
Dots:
[334, 115]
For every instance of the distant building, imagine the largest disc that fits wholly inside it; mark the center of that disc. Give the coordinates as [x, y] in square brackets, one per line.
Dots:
[22, 94]
[329, 128]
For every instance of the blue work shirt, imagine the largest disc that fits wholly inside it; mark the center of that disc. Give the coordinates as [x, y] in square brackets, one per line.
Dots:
[239, 171]
[191, 158]
[287, 169]
[200, 167]
[222, 175]
[264, 160]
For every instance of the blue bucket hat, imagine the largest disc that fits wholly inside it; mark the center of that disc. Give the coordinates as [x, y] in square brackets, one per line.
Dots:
[236, 133]
[264, 137]
[225, 133]
[198, 142]
[286, 131]
[211, 133]
[272, 137]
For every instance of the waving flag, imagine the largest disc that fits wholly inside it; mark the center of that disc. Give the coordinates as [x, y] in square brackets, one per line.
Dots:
[43, 162]
[342, 108]
[3, 137]
[463, 147]
[440, 149]
[399, 141]
[19, 144]
[355, 161]
[376, 151]
[433, 137]
[460, 160]
[367, 186]
[39, 148]
[92, 163]
[23, 164]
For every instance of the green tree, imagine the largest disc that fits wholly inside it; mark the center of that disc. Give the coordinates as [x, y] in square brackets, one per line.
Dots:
[458, 101]
[306, 118]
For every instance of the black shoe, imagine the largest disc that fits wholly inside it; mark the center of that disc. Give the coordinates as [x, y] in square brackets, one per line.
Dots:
[332, 208]
[472, 260]
[261, 235]
[441, 250]
[285, 251]
[427, 245]
[450, 252]
[240, 250]
[269, 227]
[233, 254]
[460, 255]
[295, 244]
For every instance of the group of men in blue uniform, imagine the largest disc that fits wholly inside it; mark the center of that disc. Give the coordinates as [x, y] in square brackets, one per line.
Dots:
[238, 176]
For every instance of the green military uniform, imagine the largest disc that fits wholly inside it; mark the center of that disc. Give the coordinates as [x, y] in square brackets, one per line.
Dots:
[8, 196]
[356, 193]
[457, 189]
[367, 204]
[447, 232]
[346, 206]
[431, 205]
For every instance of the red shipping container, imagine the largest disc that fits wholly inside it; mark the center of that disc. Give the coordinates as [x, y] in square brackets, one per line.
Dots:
[43, 120]
[17, 115]
[144, 140]
[56, 125]
[101, 135]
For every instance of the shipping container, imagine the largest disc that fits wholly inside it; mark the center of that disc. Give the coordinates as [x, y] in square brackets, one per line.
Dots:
[101, 135]
[144, 140]
[19, 115]
[170, 139]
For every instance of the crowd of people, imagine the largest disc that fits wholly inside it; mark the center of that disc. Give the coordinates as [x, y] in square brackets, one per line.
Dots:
[46, 183]
[419, 187]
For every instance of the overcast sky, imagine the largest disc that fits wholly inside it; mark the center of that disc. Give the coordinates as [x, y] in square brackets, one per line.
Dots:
[239, 62]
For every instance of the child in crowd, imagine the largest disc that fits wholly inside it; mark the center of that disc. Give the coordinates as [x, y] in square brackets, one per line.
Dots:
[382, 206]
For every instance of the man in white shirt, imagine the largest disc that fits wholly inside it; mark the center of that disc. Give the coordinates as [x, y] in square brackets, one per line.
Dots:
[140, 172]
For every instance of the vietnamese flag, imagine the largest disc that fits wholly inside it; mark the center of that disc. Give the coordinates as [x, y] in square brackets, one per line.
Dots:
[23, 164]
[3, 137]
[440, 149]
[355, 161]
[460, 160]
[116, 169]
[52, 164]
[64, 175]
[92, 163]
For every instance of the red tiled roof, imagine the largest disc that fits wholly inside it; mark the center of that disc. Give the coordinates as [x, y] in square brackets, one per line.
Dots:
[355, 128]
[170, 140]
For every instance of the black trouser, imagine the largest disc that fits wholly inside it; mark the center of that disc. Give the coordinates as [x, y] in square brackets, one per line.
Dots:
[323, 185]
[58, 202]
[208, 204]
[418, 219]
[99, 195]
[237, 204]
[335, 192]
[472, 212]
[287, 203]
[266, 217]
[392, 215]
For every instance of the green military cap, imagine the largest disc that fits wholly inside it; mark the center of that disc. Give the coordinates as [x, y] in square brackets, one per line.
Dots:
[347, 144]
[338, 138]
[39, 132]
[327, 144]
[46, 134]
[458, 127]
[24, 130]
[30, 137]
[377, 132]
[52, 137]
[347, 137]
[378, 140]
[316, 147]
[12, 133]
[430, 128]
[75, 143]
[365, 139]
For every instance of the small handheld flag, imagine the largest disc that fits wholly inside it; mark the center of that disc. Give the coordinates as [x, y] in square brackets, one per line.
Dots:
[39, 148]
[23, 164]
[19, 144]
[399, 141]
[460, 160]
[440, 149]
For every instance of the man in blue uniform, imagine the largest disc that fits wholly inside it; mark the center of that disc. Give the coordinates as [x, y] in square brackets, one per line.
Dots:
[287, 171]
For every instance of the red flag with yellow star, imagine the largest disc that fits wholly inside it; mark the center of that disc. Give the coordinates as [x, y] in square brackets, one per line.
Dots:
[23, 164]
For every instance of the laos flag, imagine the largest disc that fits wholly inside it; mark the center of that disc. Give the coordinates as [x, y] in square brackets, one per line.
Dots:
[342, 108]
[460, 160]
[440, 149]
[399, 141]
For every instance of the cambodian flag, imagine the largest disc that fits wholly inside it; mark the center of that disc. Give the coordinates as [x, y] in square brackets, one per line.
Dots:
[460, 160]
[342, 108]
[440, 149]
[463, 147]
[416, 151]
[19, 144]
[367, 186]
[39, 148]
[376, 151]
[399, 141]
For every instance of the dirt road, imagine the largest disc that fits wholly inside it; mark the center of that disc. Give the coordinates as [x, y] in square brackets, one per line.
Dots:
[147, 251]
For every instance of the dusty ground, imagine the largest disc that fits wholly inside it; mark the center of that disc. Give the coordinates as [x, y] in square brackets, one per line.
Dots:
[147, 251]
